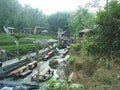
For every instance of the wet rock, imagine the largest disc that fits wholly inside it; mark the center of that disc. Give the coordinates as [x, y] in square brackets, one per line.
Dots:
[61, 70]
[61, 74]
[53, 64]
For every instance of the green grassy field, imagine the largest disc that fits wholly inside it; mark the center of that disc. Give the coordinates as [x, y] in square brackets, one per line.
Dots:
[25, 45]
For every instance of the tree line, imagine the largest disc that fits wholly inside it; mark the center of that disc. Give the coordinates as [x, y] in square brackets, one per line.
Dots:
[15, 15]
[104, 41]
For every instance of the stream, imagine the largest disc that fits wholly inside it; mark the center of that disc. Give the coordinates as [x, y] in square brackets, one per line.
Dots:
[42, 65]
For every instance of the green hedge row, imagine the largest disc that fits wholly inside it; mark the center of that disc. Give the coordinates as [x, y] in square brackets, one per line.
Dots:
[24, 48]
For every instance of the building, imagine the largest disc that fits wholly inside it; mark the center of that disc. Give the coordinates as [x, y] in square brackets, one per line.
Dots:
[38, 30]
[9, 30]
[26, 30]
[84, 31]
[64, 38]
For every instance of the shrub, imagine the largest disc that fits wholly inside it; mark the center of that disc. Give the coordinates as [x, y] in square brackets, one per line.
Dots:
[76, 47]
[107, 80]
[72, 59]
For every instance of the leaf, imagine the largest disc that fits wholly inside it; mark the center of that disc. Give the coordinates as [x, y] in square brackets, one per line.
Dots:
[78, 86]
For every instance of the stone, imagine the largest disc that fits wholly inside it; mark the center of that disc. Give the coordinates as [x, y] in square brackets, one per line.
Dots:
[53, 63]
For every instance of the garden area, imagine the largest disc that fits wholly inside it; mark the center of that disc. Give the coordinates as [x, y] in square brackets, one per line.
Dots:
[26, 44]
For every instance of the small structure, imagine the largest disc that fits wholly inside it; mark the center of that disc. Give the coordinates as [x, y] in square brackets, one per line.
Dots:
[38, 29]
[9, 30]
[32, 65]
[21, 72]
[44, 31]
[26, 30]
[64, 38]
[63, 34]
[84, 31]
[6, 70]
[49, 55]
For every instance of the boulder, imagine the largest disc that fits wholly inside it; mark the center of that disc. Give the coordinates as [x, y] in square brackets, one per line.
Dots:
[53, 64]
[72, 77]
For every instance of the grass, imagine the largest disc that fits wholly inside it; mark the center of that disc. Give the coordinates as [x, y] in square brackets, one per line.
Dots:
[25, 45]
[94, 75]
[40, 36]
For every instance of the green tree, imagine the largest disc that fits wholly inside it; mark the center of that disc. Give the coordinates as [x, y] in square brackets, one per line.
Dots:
[8, 11]
[81, 19]
[14, 14]
[17, 37]
[58, 20]
[106, 37]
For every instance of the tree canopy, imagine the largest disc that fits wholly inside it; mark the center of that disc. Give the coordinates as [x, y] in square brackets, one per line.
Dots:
[81, 19]
[106, 38]
[15, 15]
[58, 20]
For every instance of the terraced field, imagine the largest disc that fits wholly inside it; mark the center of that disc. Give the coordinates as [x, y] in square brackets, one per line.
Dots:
[25, 44]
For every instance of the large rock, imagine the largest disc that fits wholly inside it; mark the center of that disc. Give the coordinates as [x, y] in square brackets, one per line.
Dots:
[72, 77]
[53, 63]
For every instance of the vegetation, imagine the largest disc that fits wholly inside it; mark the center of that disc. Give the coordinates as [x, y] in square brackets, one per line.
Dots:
[58, 20]
[81, 19]
[104, 41]
[15, 15]
[95, 58]
[25, 45]
[62, 85]
[99, 51]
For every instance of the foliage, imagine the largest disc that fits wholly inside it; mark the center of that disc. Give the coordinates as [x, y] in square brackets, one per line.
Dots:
[14, 14]
[24, 48]
[72, 59]
[10, 41]
[106, 80]
[81, 19]
[25, 45]
[53, 84]
[17, 36]
[104, 41]
[7, 12]
[58, 20]
[78, 86]
[76, 47]
[108, 29]
[40, 36]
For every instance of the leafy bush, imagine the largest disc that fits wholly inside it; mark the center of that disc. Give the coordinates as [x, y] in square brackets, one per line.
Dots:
[76, 47]
[72, 59]
[25, 48]
[107, 80]
[53, 84]
[8, 43]
[77, 86]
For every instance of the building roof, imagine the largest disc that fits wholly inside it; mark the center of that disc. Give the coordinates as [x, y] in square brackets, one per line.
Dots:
[10, 27]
